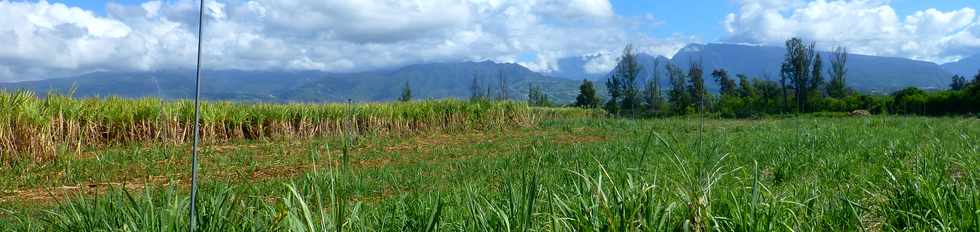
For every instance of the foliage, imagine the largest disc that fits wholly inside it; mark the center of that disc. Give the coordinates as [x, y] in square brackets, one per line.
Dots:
[587, 97]
[537, 97]
[623, 85]
[406, 93]
[799, 69]
[793, 174]
[958, 83]
[698, 93]
[678, 97]
[653, 94]
[728, 85]
[837, 88]
[915, 101]
[33, 128]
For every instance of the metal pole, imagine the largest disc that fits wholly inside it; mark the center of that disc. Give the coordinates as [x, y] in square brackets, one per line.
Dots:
[197, 122]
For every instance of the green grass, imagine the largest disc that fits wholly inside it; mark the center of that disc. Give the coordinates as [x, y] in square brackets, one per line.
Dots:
[578, 174]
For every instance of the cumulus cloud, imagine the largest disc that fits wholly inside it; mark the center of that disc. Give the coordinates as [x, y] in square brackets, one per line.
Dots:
[865, 26]
[45, 40]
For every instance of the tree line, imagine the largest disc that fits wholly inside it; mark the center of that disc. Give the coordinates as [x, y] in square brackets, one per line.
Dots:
[800, 88]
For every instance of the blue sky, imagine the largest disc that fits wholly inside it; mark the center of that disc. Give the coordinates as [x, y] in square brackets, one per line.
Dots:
[62, 37]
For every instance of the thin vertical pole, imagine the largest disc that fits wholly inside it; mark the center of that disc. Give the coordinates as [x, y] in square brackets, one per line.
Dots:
[192, 217]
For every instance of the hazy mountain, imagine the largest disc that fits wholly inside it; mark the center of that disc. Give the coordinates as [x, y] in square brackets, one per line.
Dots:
[443, 80]
[967, 67]
[867, 73]
[454, 80]
[218, 85]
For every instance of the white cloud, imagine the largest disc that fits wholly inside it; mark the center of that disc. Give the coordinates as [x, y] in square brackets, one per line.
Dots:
[865, 26]
[45, 40]
[601, 63]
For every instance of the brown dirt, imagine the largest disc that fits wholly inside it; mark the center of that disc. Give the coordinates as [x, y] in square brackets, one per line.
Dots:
[56, 194]
[417, 148]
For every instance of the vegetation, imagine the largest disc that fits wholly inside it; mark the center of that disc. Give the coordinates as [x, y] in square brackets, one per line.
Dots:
[801, 89]
[406, 93]
[571, 174]
[653, 94]
[489, 164]
[624, 91]
[39, 129]
[537, 97]
[837, 88]
[587, 97]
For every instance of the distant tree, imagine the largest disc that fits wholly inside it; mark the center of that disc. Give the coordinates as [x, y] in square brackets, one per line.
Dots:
[816, 86]
[537, 97]
[746, 90]
[816, 76]
[800, 58]
[909, 101]
[406, 93]
[626, 75]
[976, 79]
[587, 97]
[652, 96]
[767, 90]
[678, 97]
[695, 89]
[728, 86]
[838, 74]
[487, 95]
[615, 87]
[959, 83]
[504, 88]
[785, 73]
[476, 92]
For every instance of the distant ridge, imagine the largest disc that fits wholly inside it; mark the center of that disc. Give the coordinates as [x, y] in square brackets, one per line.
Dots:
[453, 80]
[967, 67]
[866, 73]
[436, 80]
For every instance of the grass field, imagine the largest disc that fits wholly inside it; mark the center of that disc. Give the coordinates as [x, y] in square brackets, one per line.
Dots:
[806, 173]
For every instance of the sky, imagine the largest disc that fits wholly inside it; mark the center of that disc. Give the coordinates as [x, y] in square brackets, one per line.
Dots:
[55, 38]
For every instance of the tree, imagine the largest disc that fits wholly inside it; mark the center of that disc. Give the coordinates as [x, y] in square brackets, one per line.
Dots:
[746, 89]
[627, 72]
[504, 88]
[537, 97]
[476, 92]
[652, 94]
[785, 73]
[614, 86]
[959, 83]
[799, 60]
[768, 92]
[838, 74]
[678, 97]
[587, 97]
[910, 100]
[696, 88]
[976, 79]
[816, 76]
[406, 93]
[728, 86]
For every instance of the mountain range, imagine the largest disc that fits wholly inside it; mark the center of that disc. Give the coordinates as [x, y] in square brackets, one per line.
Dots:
[455, 80]
[440, 80]
[865, 73]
